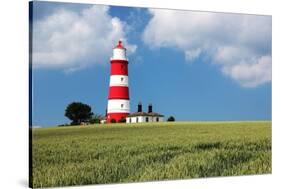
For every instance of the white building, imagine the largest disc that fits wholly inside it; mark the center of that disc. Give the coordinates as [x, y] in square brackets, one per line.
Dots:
[140, 116]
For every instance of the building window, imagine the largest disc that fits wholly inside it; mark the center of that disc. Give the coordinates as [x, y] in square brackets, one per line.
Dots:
[157, 119]
[137, 120]
[146, 119]
[122, 105]
[122, 78]
[130, 120]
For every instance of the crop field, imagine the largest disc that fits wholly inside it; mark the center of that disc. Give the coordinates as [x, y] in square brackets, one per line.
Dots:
[115, 153]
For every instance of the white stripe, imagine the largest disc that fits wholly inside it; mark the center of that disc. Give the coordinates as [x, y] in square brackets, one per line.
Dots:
[118, 106]
[119, 54]
[119, 80]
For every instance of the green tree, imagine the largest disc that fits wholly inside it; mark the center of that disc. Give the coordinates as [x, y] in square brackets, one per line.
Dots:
[171, 118]
[78, 112]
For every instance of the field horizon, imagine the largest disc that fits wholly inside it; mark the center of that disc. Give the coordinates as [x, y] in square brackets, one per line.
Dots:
[154, 123]
[120, 152]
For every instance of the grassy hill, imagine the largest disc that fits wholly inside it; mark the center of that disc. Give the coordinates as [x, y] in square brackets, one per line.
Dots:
[116, 153]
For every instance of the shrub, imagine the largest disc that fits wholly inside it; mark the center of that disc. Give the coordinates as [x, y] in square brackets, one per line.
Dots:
[171, 118]
[95, 121]
[63, 125]
[123, 120]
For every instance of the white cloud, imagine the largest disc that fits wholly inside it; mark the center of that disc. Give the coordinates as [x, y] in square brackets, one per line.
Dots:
[190, 55]
[251, 74]
[73, 40]
[239, 44]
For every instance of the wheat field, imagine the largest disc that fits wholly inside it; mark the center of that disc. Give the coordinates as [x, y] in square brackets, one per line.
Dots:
[116, 153]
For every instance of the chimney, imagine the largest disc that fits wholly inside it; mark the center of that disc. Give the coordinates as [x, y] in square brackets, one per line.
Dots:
[139, 107]
[150, 108]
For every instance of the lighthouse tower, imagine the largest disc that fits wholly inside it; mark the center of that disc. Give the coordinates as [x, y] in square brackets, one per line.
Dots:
[118, 99]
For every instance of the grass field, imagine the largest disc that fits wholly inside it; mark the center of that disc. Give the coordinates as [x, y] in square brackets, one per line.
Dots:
[116, 153]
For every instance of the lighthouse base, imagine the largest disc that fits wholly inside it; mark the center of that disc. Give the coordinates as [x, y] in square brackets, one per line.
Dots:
[115, 116]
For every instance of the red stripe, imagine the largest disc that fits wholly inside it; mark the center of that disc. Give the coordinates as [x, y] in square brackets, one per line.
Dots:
[116, 116]
[119, 67]
[118, 92]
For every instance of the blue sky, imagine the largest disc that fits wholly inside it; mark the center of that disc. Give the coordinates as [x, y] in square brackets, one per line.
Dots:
[192, 65]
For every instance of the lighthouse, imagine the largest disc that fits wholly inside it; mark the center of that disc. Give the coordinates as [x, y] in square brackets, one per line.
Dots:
[118, 106]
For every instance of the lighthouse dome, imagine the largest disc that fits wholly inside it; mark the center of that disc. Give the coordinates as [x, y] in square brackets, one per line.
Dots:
[119, 52]
[120, 45]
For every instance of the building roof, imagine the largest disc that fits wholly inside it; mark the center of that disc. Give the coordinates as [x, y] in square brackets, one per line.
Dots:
[152, 114]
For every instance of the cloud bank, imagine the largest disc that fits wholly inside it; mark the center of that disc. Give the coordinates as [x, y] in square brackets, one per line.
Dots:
[240, 45]
[73, 40]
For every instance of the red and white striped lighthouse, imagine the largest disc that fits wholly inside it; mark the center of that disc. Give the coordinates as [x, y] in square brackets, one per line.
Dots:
[118, 99]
